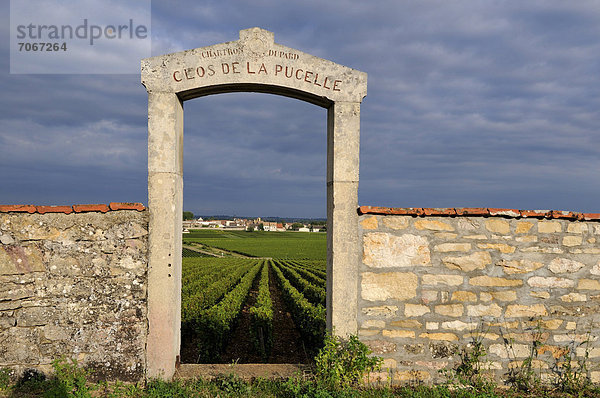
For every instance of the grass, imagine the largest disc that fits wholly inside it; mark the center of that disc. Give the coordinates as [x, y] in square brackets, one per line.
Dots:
[232, 386]
[288, 245]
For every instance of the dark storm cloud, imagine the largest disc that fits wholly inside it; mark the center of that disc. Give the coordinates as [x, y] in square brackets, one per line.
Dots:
[470, 104]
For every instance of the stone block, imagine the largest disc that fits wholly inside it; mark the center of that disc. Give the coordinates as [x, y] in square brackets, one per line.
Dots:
[479, 334]
[467, 224]
[548, 227]
[542, 295]
[515, 351]
[485, 297]
[388, 285]
[527, 238]
[520, 311]
[385, 311]
[497, 225]
[432, 325]
[463, 296]
[550, 282]
[501, 247]
[54, 332]
[415, 309]
[572, 240]
[412, 376]
[595, 269]
[428, 296]
[7, 322]
[414, 349]
[519, 266]
[459, 325]
[504, 295]
[373, 324]
[383, 250]
[21, 260]
[574, 338]
[494, 281]
[478, 260]
[448, 280]
[573, 297]
[433, 225]
[592, 352]
[404, 334]
[435, 365]
[406, 323]
[454, 310]
[442, 349]
[394, 222]
[369, 223]
[484, 310]
[35, 316]
[439, 336]
[588, 284]
[381, 346]
[452, 247]
[577, 228]
[476, 237]
[538, 249]
[523, 227]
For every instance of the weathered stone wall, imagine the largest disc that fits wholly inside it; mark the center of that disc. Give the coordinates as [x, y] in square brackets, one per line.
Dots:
[432, 279]
[73, 284]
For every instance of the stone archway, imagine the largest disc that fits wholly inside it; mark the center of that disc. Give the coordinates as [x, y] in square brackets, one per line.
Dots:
[254, 63]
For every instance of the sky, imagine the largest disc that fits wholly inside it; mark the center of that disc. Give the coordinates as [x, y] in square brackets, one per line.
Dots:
[470, 104]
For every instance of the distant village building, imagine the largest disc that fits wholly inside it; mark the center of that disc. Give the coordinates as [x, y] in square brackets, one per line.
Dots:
[245, 224]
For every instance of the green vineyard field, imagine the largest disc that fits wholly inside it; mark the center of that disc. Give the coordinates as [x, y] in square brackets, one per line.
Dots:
[291, 245]
[215, 290]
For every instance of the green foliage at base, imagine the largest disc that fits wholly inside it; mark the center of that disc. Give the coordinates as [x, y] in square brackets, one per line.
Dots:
[343, 363]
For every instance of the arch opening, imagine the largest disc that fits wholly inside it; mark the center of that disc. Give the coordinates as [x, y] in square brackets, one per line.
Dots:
[234, 167]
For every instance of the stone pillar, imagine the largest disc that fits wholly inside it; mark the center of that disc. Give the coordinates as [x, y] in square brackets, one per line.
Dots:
[165, 204]
[343, 146]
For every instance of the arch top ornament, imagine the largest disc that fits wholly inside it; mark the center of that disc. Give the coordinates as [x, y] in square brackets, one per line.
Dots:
[253, 63]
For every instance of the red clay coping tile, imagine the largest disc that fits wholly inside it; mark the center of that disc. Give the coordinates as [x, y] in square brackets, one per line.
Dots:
[113, 206]
[478, 211]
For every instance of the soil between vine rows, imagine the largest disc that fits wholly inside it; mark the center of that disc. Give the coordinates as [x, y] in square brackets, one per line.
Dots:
[287, 342]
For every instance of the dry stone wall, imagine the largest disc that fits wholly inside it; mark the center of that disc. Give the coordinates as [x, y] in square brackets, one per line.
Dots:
[431, 280]
[73, 284]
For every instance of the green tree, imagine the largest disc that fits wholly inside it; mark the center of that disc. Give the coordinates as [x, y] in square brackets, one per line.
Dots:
[188, 215]
[296, 226]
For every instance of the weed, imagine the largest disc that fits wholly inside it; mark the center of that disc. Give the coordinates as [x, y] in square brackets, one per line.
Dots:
[344, 362]
[69, 380]
[523, 376]
[571, 370]
[232, 384]
[468, 373]
[5, 377]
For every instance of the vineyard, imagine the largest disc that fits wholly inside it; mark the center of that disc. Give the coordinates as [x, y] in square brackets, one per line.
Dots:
[248, 290]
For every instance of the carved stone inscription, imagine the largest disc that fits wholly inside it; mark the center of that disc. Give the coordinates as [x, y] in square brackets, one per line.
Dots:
[279, 69]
